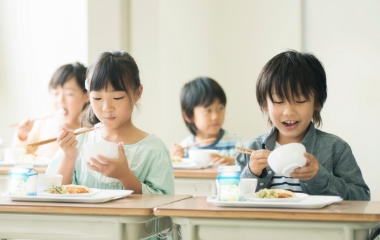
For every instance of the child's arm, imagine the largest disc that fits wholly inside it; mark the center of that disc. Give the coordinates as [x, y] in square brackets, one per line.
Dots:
[68, 143]
[117, 168]
[339, 175]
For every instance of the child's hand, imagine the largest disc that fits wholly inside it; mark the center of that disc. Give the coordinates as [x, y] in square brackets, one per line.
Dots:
[309, 171]
[258, 161]
[217, 159]
[24, 128]
[177, 151]
[68, 143]
[114, 168]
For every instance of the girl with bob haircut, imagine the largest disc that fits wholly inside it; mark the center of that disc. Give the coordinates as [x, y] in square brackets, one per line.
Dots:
[203, 104]
[144, 164]
[70, 97]
[292, 90]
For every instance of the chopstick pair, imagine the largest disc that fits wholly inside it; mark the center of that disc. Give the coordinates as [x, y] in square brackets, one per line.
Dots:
[36, 144]
[244, 150]
[209, 140]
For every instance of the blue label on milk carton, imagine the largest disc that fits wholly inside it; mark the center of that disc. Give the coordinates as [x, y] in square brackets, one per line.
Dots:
[23, 181]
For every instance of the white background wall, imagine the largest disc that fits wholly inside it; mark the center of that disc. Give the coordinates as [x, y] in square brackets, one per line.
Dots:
[176, 41]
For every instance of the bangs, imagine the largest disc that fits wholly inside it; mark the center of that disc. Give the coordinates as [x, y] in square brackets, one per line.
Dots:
[205, 98]
[290, 88]
[108, 74]
[60, 77]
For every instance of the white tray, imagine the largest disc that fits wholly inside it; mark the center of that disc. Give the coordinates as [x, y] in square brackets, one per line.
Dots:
[188, 164]
[36, 162]
[102, 196]
[309, 202]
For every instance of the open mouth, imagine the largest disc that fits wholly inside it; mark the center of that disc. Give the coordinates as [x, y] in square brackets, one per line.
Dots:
[290, 123]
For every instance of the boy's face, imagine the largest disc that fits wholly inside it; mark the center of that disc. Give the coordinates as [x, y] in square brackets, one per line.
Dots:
[290, 118]
[209, 120]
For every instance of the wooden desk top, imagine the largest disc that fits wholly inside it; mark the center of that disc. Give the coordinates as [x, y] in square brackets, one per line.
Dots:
[345, 211]
[7, 169]
[135, 204]
[211, 173]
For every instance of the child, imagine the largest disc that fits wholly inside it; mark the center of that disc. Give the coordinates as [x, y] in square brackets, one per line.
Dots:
[144, 164]
[69, 95]
[203, 104]
[292, 89]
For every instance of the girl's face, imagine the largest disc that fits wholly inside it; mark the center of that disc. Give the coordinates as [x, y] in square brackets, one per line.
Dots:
[70, 98]
[290, 118]
[209, 120]
[113, 108]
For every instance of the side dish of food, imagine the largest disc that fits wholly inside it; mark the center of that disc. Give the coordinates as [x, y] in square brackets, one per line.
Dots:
[68, 189]
[275, 193]
[176, 159]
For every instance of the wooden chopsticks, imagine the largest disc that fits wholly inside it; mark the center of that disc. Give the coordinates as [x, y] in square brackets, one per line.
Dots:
[209, 140]
[244, 150]
[36, 144]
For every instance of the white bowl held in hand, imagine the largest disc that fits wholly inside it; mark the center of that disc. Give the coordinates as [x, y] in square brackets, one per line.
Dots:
[285, 159]
[46, 181]
[93, 149]
[201, 156]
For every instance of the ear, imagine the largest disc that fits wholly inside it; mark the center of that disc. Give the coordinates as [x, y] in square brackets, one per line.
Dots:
[86, 97]
[317, 107]
[138, 93]
[265, 107]
[187, 119]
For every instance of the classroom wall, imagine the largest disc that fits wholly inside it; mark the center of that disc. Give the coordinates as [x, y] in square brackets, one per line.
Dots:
[176, 41]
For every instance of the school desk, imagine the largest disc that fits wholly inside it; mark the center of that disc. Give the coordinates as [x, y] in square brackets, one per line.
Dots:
[197, 182]
[129, 218]
[199, 219]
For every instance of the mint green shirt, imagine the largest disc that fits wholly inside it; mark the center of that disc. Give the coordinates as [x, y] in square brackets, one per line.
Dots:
[149, 160]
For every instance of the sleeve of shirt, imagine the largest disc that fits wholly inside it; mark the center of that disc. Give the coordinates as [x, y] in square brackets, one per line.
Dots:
[345, 180]
[160, 178]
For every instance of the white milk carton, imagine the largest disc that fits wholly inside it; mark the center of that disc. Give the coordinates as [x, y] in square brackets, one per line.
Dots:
[23, 180]
[228, 183]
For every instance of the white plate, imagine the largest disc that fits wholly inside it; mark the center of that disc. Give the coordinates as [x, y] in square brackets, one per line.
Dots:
[93, 192]
[313, 201]
[38, 161]
[254, 198]
[103, 196]
[188, 164]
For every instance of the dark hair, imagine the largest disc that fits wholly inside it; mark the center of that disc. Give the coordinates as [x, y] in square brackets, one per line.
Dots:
[66, 72]
[291, 74]
[202, 91]
[114, 68]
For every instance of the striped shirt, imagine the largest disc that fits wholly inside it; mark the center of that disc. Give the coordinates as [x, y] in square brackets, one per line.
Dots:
[282, 182]
[225, 143]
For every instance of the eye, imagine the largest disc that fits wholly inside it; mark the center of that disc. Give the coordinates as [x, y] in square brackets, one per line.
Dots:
[96, 99]
[119, 98]
[221, 108]
[277, 102]
[301, 101]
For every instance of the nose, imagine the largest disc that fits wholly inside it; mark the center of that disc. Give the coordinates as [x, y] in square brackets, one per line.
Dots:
[214, 116]
[107, 107]
[289, 109]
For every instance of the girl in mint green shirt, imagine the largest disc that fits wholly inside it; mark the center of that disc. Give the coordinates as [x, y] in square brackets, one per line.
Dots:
[144, 163]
